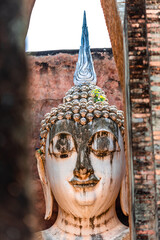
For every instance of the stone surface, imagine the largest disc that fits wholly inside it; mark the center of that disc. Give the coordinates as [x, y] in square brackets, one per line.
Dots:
[84, 183]
[81, 161]
[51, 76]
[115, 30]
[27, 6]
[121, 9]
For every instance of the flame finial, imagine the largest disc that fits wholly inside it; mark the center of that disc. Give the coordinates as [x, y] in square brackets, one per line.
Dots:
[84, 72]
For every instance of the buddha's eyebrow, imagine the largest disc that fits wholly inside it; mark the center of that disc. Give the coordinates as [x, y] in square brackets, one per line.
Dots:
[106, 126]
[58, 134]
[62, 136]
[62, 127]
[102, 133]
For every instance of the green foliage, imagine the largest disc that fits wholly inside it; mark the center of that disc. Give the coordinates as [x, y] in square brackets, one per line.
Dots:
[97, 96]
[39, 151]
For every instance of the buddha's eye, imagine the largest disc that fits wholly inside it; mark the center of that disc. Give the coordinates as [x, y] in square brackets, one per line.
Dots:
[103, 144]
[62, 145]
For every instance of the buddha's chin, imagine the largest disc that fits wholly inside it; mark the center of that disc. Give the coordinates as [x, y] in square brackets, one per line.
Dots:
[83, 198]
[85, 207]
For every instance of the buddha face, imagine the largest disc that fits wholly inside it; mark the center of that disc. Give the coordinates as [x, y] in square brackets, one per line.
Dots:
[85, 165]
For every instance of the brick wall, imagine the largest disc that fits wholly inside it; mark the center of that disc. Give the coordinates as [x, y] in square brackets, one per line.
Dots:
[153, 38]
[143, 53]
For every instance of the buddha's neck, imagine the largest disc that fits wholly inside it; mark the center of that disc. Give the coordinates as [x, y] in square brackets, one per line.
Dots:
[87, 226]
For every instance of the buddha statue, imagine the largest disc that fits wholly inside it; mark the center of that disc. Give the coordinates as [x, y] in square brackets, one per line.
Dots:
[81, 160]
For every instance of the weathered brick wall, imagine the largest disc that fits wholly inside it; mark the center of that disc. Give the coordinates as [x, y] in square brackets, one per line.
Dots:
[144, 101]
[153, 38]
[51, 76]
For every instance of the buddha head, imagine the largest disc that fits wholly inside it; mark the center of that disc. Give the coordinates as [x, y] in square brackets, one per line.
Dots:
[81, 160]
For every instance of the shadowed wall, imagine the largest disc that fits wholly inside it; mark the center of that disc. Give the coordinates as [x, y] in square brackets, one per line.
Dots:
[15, 215]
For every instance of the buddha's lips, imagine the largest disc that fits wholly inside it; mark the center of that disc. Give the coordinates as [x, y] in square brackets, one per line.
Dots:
[90, 182]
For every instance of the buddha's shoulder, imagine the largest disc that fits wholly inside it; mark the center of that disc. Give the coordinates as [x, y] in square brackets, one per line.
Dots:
[38, 236]
[55, 234]
[124, 235]
[48, 234]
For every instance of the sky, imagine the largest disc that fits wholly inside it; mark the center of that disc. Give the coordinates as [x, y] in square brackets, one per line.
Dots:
[57, 24]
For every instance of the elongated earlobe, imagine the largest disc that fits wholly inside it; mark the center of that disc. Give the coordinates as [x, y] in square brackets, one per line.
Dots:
[46, 186]
[124, 195]
[48, 200]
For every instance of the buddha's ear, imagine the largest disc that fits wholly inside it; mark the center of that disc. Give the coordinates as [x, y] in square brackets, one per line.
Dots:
[124, 195]
[45, 185]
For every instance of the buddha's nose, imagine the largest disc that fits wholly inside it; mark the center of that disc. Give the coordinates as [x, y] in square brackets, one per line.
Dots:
[83, 172]
[83, 167]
